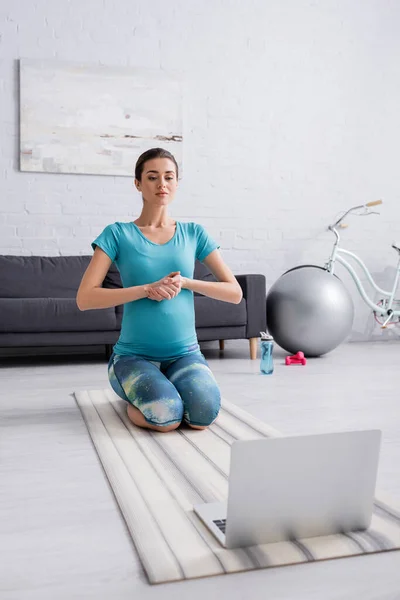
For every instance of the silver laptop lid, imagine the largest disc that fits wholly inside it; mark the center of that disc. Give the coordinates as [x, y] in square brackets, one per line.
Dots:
[301, 486]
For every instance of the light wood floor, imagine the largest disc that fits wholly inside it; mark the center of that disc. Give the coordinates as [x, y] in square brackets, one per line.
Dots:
[61, 533]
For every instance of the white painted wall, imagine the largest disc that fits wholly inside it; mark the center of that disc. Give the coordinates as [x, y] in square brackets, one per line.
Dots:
[291, 116]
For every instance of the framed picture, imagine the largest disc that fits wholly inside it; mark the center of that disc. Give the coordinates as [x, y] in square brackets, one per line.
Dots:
[79, 118]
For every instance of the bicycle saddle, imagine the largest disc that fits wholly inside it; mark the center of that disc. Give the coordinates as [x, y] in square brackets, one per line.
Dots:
[396, 246]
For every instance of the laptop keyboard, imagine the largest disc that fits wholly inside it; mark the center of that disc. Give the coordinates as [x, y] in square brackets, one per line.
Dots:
[221, 524]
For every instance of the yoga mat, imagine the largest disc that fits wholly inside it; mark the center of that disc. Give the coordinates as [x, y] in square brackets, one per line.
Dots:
[158, 477]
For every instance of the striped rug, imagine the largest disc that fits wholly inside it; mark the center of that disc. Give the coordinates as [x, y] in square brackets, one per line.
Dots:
[158, 477]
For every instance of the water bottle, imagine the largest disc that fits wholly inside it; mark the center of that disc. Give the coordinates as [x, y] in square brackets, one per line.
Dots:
[267, 361]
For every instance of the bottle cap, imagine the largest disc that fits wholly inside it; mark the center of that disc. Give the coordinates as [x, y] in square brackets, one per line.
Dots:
[266, 337]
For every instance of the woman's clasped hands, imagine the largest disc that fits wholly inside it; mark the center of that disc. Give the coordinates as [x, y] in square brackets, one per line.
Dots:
[166, 288]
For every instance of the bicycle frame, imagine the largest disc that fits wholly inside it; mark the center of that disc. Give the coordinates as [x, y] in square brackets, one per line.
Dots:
[389, 296]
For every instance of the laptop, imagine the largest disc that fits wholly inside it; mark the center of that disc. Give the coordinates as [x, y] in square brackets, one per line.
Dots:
[287, 488]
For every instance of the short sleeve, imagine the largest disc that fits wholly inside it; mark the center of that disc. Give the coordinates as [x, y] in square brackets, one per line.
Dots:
[204, 243]
[108, 241]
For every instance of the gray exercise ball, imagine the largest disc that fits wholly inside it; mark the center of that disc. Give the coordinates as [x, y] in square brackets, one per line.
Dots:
[309, 309]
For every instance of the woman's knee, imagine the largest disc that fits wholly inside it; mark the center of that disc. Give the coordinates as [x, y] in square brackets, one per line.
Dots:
[198, 389]
[141, 384]
[202, 411]
[163, 412]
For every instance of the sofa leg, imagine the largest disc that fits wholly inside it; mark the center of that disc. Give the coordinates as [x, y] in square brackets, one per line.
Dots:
[108, 351]
[253, 348]
[221, 345]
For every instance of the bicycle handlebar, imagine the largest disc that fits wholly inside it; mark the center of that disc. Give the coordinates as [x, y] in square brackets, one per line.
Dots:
[373, 203]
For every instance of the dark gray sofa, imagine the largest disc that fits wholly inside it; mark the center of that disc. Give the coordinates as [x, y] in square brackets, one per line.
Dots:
[38, 306]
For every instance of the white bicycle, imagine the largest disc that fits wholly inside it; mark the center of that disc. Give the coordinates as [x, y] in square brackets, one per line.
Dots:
[388, 306]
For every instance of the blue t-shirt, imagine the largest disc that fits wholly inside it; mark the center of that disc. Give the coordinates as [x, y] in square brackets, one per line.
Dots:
[156, 330]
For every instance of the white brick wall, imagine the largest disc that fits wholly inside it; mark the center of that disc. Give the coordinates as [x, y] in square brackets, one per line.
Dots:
[291, 115]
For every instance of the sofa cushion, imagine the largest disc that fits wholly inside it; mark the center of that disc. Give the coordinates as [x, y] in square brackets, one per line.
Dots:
[215, 313]
[41, 276]
[202, 272]
[113, 278]
[52, 314]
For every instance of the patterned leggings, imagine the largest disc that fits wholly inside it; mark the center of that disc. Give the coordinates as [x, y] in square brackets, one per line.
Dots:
[169, 391]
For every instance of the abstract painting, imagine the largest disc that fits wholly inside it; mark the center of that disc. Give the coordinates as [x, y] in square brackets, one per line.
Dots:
[79, 118]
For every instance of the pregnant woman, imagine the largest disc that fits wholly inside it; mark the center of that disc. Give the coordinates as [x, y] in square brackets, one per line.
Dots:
[156, 365]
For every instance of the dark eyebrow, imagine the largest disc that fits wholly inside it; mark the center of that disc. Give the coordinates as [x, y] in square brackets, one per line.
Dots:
[152, 171]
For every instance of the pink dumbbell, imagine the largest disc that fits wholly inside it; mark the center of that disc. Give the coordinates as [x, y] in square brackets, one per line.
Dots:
[296, 359]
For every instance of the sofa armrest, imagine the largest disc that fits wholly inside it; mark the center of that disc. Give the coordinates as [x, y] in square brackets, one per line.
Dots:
[254, 293]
